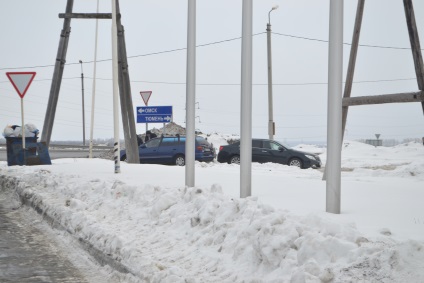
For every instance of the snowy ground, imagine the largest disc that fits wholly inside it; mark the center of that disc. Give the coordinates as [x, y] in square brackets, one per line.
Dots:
[161, 231]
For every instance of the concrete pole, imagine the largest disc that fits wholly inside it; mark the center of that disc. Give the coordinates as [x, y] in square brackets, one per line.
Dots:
[271, 126]
[93, 95]
[246, 101]
[116, 147]
[191, 95]
[334, 118]
[82, 104]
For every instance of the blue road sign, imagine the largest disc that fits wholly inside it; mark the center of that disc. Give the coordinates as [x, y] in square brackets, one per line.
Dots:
[154, 114]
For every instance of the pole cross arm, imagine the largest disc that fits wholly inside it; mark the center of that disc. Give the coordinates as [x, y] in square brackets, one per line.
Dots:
[385, 98]
[87, 16]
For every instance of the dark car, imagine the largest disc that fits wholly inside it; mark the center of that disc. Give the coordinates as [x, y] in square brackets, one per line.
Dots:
[171, 150]
[264, 150]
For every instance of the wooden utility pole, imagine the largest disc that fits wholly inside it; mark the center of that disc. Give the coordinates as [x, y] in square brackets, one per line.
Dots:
[127, 108]
[385, 98]
[415, 44]
[57, 76]
[352, 60]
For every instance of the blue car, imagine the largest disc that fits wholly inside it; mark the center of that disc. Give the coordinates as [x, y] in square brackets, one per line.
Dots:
[171, 150]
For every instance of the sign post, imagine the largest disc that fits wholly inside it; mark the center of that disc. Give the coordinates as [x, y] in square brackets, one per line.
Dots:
[21, 82]
[145, 95]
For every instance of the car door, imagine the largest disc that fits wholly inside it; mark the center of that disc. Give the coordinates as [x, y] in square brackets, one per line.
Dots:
[167, 149]
[149, 151]
[275, 152]
[257, 151]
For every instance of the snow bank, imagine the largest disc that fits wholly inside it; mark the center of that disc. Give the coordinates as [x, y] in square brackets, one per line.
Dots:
[177, 234]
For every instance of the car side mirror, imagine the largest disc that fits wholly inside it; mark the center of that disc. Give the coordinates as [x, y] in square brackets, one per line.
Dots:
[143, 145]
[281, 148]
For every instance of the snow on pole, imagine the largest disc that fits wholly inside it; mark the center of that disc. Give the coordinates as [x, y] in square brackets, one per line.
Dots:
[115, 90]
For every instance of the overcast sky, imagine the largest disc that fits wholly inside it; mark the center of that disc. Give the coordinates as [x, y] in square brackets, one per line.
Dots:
[156, 37]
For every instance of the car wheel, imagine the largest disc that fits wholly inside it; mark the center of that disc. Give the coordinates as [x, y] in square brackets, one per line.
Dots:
[296, 162]
[235, 159]
[124, 158]
[179, 160]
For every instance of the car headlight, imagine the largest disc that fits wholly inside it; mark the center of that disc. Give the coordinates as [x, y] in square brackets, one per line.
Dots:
[310, 156]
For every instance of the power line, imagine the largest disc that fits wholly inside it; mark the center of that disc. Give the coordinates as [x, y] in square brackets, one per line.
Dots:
[233, 84]
[345, 43]
[261, 84]
[141, 55]
[213, 43]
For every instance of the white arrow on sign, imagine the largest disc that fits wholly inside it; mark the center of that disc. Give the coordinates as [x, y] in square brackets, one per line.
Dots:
[141, 110]
[167, 118]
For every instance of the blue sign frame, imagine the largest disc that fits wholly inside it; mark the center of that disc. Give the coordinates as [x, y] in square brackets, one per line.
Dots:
[154, 114]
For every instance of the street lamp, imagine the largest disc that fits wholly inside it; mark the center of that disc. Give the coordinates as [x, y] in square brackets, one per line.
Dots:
[271, 124]
[83, 115]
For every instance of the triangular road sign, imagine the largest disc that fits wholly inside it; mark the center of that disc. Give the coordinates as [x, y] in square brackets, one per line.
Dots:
[145, 95]
[21, 81]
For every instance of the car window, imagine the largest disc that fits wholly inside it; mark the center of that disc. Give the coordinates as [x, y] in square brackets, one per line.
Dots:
[169, 142]
[256, 143]
[266, 144]
[271, 145]
[153, 143]
[282, 144]
[274, 145]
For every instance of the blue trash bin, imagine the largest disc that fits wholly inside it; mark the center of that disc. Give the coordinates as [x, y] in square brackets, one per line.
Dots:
[16, 155]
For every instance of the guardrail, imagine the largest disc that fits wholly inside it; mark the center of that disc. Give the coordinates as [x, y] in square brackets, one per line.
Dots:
[73, 146]
[80, 146]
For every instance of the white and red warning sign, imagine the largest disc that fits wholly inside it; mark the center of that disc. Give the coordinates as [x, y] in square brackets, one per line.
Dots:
[146, 95]
[21, 81]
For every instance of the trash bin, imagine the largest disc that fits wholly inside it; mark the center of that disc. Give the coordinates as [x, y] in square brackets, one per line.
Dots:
[34, 153]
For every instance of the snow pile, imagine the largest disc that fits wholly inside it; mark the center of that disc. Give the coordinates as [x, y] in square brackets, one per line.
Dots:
[310, 148]
[162, 231]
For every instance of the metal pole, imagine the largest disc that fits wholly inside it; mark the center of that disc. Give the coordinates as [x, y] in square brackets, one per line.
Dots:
[271, 126]
[147, 125]
[334, 118]
[246, 101]
[23, 129]
[83, 111]
[115, 89]
[93, 100]
[191, 94]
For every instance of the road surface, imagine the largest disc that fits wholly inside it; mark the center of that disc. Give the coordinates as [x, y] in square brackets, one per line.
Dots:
[29, 254]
